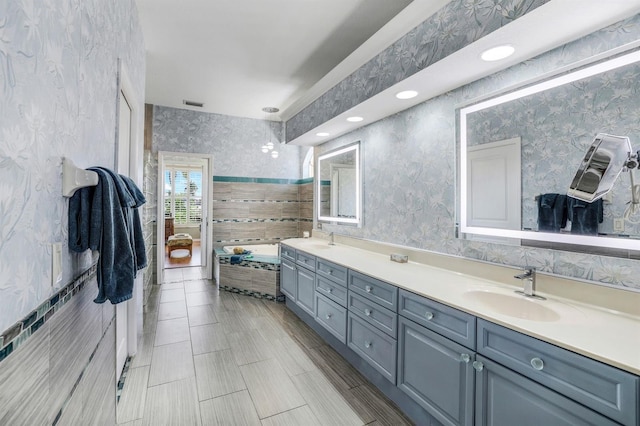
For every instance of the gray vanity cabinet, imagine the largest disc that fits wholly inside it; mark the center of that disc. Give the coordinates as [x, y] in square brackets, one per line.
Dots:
[436, 373]
[306, 290]
[288, 278]
[504, 397]
[605, 389]
[306, 281]
[297, 278]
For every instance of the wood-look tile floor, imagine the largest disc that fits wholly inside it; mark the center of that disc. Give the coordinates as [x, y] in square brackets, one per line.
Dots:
[209, 357]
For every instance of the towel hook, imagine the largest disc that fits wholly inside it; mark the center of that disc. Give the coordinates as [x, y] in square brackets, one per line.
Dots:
[74, 178]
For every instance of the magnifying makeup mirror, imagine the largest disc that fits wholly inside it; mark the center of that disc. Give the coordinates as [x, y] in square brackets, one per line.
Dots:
[607, 156]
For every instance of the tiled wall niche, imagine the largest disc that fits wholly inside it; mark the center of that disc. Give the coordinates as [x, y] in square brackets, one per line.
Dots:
[60, 368]
[256, 210]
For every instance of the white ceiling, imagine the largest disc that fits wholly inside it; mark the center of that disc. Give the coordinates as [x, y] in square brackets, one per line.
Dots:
[238, 56]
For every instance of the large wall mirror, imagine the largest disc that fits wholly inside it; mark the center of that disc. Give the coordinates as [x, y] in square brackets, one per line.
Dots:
[339, 186]
[519, 152]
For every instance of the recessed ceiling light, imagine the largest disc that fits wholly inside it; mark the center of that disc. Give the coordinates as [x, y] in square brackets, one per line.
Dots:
[355, 119]
[322, 134]
[406, 94]
[497, 53]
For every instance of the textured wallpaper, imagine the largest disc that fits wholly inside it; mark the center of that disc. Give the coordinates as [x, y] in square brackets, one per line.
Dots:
[557, 126]
[235, 142]
[409, 166]
[456, 25]
[58, 68]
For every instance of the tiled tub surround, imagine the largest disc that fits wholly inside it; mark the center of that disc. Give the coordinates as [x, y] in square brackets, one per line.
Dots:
[61, 368]
[598, 323]
[256, 209]
[258, 276]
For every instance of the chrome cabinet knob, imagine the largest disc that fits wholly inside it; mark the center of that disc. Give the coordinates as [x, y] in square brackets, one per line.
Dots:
[367, 288]
[465, 358]
[329, 272]
[328, 316]
[329, 290]
[537, 363]
[367, 345]
[429, 316]
[478, 366]
[367, 312]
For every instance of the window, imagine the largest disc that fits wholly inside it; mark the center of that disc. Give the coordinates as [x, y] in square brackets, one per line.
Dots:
[307, 164]
[183, 195]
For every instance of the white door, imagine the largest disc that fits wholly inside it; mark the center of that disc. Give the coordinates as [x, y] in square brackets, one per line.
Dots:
[165, 159]
[128, 163]
[124, 162]
[493, 185]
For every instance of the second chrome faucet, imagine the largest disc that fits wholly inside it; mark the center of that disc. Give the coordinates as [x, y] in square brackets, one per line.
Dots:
[529, 278]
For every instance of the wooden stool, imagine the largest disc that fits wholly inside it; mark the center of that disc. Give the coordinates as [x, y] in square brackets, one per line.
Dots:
[180, 241]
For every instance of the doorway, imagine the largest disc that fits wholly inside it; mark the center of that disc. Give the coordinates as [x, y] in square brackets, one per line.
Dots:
[185, 239]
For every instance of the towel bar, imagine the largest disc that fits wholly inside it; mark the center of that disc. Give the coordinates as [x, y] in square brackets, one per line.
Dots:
[74, 178]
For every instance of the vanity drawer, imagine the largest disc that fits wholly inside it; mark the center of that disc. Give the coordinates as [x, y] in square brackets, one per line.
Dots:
[380, 292]
[374, 346]
[374, 314]
[449, 322]
[605, 389]
[330, 289]
[332, 271]
[306, 260]
[287, 253]
[332, 316]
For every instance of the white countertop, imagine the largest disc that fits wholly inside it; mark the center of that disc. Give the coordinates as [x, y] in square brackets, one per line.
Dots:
[602, 334]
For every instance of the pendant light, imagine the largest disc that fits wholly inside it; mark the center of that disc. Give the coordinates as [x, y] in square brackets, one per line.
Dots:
[269, 146]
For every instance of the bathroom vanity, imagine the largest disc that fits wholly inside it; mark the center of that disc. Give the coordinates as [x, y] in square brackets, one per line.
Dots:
[458, 349]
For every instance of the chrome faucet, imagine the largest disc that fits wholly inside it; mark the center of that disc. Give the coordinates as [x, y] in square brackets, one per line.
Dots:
[529, 278]
[331, 243]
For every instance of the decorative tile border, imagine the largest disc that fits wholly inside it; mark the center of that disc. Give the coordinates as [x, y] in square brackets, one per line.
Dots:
[264, 265]
[255, 294]
[17, 334]
[241, 179]
[247, 220]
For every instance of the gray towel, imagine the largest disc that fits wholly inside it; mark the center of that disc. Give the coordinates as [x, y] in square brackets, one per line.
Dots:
[105, 218]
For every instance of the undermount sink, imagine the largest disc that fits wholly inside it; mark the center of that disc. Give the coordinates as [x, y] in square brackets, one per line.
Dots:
[514, 305]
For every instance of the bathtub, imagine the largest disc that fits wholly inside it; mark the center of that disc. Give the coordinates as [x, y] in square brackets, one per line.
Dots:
[257, 275]
[256, 249]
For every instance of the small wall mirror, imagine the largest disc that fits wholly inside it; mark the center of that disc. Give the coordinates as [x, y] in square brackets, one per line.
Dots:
[339, 185]
[537, 136]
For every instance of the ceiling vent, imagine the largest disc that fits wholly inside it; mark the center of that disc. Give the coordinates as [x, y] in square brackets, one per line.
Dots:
[193, 103]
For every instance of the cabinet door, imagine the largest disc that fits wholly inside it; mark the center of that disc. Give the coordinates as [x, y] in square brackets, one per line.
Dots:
[288, 279]
[305, 297]
[504, 397]
[436, 373]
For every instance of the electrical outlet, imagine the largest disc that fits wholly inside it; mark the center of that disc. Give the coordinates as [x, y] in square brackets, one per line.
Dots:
[618, 224]
[56, 264]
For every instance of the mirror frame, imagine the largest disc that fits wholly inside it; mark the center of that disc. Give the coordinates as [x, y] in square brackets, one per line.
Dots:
[335, 219]
[595, 66]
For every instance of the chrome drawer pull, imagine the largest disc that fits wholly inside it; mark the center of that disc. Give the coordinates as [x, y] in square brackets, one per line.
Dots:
[367, 312]
[329, 290]
[537, 363]
[429, 316]
[479, 366]
[367, 288]
[367, 345]
[465, 358]
[328, 316]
